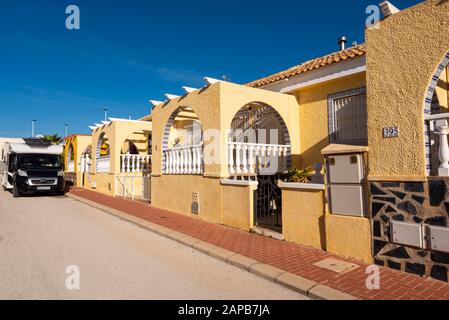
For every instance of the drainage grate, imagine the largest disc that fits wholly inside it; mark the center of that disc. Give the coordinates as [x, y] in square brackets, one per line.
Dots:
[337, 266]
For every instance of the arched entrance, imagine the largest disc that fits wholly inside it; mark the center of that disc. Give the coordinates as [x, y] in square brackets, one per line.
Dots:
[259, 142]
[71, 159]
[259, 148]
[183, 144]
[436, 113]
[103, 155]
[135, 153]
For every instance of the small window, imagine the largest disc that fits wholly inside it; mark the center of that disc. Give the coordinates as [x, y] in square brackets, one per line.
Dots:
[348, 117]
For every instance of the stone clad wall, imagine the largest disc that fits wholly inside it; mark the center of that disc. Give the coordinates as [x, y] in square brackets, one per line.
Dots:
[413, 202]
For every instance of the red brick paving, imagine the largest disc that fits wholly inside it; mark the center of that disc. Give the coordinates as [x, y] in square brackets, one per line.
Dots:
[290, 257]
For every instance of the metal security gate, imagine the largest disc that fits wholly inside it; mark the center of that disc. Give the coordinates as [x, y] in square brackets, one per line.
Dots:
[268, 203]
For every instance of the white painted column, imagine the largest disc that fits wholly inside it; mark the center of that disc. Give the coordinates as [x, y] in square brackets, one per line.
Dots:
[251, 159]
[190, 160]
[442, 130]
[195, 168]
[199, 159]
[245, 159]
[139, 159]
[82, 163]
[178, 161]
[182, 161]
[231, 158]
[128, 164]
[238, 168]
[172, 161]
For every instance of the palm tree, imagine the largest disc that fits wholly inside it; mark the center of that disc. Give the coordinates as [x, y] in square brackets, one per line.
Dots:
[53, 139]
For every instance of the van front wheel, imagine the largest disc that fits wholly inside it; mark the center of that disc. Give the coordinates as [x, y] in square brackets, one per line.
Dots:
[15, 191]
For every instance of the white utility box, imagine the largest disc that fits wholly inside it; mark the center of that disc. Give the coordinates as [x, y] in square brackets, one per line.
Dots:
[347, 200]
[439, 238]
[346, 184]
[408, 234]
[346, 169]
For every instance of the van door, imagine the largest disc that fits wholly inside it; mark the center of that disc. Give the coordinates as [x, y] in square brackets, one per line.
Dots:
[11, 168]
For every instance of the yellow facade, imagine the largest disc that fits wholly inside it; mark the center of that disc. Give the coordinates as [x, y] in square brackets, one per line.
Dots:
[117, 133]
[215, 107]
[409, 46]
[403, 54]
[175, 193]
[74, 148]
[79, 144]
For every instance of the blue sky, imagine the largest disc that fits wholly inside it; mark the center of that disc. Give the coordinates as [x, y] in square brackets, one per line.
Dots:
[128, 52]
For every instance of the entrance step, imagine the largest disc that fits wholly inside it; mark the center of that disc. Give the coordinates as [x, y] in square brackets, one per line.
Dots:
[267, 233]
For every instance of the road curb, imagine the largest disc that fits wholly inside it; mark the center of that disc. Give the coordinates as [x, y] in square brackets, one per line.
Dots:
[286, 279]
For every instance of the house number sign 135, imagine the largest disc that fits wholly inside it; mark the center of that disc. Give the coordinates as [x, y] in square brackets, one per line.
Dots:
[391, 132]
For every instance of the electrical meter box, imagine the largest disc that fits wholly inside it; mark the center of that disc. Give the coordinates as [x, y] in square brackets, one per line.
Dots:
[346, 169]
[347, 200]
[346, 184]
[408, 234]
[439, 238]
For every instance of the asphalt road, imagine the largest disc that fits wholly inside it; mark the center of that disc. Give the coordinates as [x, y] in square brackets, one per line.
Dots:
[41, 236]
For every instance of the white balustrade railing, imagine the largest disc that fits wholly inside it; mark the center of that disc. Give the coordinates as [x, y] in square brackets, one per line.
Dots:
[252, 158]
[85, 163]
[438, 124]
[135, 163]
[103, 164]
[71, 166]
[184, 160]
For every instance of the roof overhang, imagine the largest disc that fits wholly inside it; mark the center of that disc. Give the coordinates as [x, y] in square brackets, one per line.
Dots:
[324, 74]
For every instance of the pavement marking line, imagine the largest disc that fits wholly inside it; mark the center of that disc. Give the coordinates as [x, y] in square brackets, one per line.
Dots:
[273, 274]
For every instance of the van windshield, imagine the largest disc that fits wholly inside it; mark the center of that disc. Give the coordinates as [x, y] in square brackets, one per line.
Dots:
[39, 161]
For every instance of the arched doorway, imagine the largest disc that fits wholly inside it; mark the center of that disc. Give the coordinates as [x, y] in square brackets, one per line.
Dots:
[183, 143]
[103, 154]
[71, 159]
[436, 113]
[86, 159]
[259, 148]
[135, 154]
[259, 142]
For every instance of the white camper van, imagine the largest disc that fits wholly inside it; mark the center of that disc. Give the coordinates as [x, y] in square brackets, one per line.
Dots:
[31, 167]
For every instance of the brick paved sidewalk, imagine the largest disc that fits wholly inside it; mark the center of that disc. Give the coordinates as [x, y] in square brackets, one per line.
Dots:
[290, 257]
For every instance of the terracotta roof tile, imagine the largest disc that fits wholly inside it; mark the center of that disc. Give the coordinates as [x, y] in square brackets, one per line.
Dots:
[314, 64]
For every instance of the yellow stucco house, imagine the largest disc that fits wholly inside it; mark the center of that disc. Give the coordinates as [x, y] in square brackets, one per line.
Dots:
[371, 119]
[75, 151]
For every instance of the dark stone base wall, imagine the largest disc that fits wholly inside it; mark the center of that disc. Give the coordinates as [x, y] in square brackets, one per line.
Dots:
[417, 203]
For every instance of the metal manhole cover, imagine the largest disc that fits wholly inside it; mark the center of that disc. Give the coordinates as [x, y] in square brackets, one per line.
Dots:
[337, 266]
